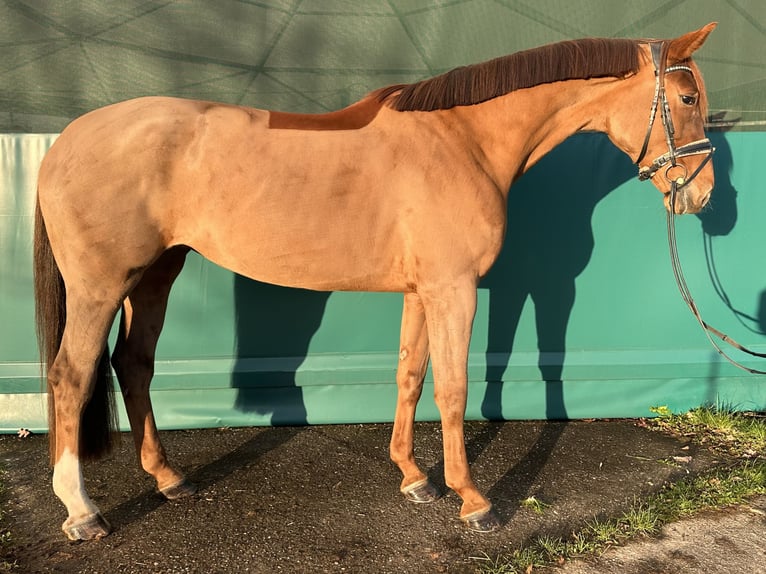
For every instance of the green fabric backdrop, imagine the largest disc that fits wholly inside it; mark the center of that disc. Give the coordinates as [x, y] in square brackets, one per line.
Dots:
[61, 58]
[579, 318]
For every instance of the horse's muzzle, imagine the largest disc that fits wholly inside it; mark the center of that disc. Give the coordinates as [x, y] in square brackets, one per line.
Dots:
[686, 199]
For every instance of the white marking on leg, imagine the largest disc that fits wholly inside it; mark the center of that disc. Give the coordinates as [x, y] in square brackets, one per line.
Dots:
[69, 486]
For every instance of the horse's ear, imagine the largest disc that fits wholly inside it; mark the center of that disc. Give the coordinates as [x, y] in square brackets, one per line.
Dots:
[684, 46]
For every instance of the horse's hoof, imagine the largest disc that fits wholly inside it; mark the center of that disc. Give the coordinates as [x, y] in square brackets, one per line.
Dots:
[482, 521]
[179, 490]
[421, 492]
[91, 527]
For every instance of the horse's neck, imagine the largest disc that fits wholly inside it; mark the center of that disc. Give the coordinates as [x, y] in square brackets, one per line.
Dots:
[516, 130]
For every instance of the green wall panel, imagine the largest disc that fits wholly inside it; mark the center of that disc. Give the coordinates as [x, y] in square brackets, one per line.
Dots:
[59, 59]
[580, 316]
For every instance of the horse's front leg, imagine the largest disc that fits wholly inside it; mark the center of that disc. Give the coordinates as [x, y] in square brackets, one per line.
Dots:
[413, 362]
[449, 313]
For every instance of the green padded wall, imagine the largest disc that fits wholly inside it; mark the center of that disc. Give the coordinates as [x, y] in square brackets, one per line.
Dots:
[579, 318]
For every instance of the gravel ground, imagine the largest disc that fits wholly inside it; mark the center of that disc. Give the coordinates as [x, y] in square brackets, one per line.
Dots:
[325, 499]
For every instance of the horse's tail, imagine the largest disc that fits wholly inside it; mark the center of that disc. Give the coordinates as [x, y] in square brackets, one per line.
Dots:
[98, 419]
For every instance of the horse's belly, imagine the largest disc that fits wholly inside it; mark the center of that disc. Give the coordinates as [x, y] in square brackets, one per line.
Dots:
[317, 270]
[312, 256]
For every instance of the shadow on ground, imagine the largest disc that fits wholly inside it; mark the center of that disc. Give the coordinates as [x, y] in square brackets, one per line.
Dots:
[325, 498]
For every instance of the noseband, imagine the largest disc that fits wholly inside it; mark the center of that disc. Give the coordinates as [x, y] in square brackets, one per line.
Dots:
[703, 146]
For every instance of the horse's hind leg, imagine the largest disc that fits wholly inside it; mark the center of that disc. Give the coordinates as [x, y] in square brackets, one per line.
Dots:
[133, 359]
[72, 381]
[413, 361]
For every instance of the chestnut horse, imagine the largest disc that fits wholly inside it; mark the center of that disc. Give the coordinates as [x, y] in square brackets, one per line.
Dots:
[402, 191]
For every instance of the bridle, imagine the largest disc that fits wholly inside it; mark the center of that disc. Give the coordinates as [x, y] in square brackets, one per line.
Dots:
[660, 100]
[703, 146]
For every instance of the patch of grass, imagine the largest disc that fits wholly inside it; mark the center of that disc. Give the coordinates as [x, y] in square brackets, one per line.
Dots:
[739, 434]
[535, 505]
[497, 565]
[601, 534]
[579, 544]
[552, 548]
[641, 519]
[718, 488]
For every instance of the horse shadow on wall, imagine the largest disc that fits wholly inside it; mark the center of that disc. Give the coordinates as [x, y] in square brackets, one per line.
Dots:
[274, 327]
[549, 243]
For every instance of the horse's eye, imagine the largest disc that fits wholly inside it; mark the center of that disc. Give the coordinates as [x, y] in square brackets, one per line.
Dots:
[689, 100]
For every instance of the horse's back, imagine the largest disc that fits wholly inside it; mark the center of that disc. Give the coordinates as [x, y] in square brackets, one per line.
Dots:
[341, 203]
[149, 173]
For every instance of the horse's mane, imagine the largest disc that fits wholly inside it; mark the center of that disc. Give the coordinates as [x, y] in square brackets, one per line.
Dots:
[468, 85]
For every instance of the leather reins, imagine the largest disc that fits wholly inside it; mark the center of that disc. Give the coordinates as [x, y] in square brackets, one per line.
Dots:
[703, 146]
[710, 332]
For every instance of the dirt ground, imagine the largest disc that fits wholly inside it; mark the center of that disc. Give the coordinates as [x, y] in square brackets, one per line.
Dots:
[325, 499]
